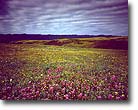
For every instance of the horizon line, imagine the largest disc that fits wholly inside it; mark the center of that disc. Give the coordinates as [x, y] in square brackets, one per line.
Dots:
[66, 34]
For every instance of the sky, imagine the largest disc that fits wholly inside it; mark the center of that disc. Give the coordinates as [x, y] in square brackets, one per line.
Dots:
[91, 17]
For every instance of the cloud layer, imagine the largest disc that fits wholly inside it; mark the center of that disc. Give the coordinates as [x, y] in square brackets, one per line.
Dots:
[64, 17]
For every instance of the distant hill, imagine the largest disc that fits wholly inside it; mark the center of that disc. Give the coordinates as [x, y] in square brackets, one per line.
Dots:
[94, 42]
[16, 37]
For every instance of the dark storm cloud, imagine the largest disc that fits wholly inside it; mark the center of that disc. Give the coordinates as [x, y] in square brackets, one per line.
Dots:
[64, 16]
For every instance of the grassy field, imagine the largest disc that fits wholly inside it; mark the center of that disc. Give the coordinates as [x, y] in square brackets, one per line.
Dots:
[70, 70]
